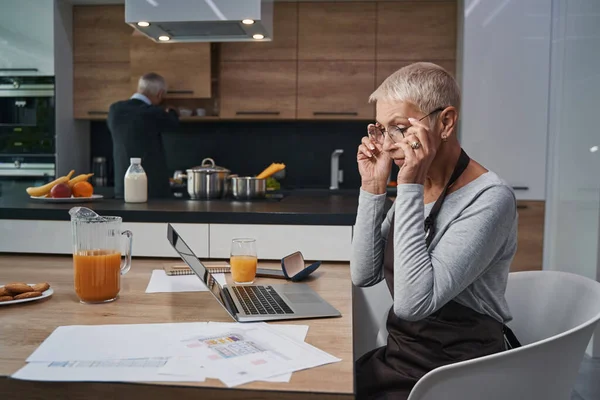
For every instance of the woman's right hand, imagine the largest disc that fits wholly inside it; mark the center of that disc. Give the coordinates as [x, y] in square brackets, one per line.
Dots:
[374, 166]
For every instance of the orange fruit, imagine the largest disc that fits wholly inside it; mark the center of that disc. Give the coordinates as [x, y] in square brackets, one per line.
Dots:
[83, 189]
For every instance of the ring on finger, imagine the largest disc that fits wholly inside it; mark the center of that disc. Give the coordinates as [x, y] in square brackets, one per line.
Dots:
[415, 145]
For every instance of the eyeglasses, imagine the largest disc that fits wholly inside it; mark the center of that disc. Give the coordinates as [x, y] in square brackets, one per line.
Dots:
[377, 132]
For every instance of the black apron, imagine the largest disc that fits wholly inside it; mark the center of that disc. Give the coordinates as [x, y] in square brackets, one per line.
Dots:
[451, 334]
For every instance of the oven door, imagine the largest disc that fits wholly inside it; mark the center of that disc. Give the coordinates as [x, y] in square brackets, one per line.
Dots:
[27, 102]
[17, 176]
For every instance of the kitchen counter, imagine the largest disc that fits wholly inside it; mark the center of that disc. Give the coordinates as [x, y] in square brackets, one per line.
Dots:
[300, 207]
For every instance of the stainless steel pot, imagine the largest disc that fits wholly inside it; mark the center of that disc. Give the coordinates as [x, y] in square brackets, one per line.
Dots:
[248, 188]
[207, 181]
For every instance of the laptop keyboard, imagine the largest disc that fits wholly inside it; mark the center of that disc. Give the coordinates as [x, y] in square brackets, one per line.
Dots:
[257, 300]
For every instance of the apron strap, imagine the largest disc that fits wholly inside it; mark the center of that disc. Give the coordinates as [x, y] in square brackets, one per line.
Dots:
[511, 339]
[461, 165]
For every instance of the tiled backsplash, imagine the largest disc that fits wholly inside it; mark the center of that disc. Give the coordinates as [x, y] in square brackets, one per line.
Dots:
[247, 147]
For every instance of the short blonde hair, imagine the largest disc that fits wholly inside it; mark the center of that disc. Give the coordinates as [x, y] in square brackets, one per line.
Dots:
[424, 84]
[152, 83]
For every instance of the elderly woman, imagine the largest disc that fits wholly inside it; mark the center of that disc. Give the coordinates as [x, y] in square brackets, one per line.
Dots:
[445, 246]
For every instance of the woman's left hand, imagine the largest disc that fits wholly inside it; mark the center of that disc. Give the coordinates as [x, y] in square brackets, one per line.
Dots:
[416, 161]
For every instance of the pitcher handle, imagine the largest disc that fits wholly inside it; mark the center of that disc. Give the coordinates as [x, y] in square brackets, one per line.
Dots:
[126, 265]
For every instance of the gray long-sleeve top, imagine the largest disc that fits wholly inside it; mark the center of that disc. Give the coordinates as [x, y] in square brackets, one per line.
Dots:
[468, 260]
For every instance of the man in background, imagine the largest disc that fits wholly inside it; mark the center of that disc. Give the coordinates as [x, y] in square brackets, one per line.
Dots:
[136, 126]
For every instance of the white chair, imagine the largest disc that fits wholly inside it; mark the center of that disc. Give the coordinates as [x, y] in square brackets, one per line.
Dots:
[555, 314]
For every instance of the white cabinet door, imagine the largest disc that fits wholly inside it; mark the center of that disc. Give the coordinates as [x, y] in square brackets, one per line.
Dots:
[505, 88]
[325, 243]
[150, 239]
[26, 37]
[54, 237]
[50, 237]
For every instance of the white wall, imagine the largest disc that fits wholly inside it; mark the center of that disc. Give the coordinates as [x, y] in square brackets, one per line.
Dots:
[72, 137]
[573, 203]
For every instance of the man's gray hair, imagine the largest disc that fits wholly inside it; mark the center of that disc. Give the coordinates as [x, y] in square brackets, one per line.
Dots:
[151, 83]
[424, 84]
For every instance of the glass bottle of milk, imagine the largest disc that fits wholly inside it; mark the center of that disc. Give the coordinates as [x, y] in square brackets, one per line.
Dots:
[136, 183]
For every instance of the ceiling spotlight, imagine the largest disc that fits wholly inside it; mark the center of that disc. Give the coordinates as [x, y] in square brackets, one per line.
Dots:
[594, 149]
[143, 24]
[164, 38]
[247, 21]
[258, 36]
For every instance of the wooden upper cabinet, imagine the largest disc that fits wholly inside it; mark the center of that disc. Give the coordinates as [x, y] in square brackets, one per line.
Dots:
[386, 68]
[284, 45]
[335, 89]
[258, 89]
[100, 34]
[185, 66]
[101, 72]
[337, 31]
[96, 86]
[416, 30]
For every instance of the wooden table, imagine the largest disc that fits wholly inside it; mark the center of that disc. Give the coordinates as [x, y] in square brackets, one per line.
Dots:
[24, 326]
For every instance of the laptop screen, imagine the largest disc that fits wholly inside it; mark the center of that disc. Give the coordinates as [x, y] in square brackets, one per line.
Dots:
[194, 263]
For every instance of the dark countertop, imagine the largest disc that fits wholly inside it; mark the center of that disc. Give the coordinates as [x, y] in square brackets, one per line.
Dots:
[300, 207]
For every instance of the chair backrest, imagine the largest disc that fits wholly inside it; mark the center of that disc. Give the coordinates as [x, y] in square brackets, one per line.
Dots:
[555, 314]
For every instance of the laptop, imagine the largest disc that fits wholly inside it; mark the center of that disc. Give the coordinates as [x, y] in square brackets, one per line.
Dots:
[252, 303]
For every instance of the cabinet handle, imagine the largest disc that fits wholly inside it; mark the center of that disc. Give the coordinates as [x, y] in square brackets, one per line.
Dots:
[20, 69]
[180, 92]
[98, 112]
[520, 187]
[522, 206]
[350, 113]
[257, 113]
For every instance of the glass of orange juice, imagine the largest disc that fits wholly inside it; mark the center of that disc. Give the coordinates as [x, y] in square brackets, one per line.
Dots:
[243, 260]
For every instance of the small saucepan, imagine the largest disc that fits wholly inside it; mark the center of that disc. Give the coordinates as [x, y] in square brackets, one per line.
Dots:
[247, 187]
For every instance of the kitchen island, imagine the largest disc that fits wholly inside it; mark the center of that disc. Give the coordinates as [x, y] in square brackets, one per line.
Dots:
[316, 222]
[26, 325]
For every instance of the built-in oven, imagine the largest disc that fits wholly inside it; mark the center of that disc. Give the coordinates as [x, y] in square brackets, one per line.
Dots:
[17, 173]
[27, 132]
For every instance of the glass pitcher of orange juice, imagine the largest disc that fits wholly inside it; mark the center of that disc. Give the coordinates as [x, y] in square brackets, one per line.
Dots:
[97, 266]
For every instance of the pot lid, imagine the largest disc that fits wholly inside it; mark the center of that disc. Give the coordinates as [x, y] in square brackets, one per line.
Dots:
[208, 165]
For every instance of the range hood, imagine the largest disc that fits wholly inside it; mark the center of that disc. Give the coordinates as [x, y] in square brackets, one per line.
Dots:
[202, 20]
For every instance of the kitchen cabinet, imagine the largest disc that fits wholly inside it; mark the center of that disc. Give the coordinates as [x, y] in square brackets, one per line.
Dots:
[530, 245]
[505, 113]
[386, 68]
[283, 47]
[335, 89]
[101, 71]
[27, 38]
[54, 237]
[257, 89]
[185, 66]
[417, 30]
[100, 34]
[97, 86]
[337, 30]
[273, 242]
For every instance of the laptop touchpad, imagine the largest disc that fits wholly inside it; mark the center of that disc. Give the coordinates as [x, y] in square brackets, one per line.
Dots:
[300, 298]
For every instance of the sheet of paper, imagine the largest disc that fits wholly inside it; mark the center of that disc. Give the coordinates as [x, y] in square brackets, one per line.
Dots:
[115, 342]
[242, 353]
[138, 370]
[188, 367]
[296, 332]
[160, 282]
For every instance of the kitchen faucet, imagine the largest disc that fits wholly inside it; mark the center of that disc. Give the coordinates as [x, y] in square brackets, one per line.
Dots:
[337, 174]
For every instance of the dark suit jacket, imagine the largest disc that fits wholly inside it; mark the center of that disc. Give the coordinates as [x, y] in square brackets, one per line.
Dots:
[136, 129]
